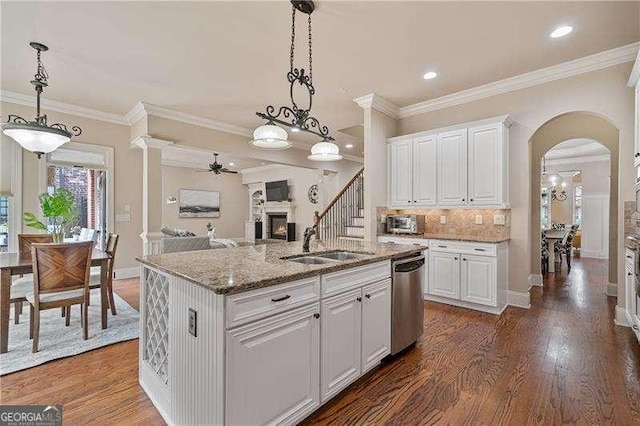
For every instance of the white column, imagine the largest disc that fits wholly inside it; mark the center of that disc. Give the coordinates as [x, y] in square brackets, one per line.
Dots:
[152, 198]
[380, 123]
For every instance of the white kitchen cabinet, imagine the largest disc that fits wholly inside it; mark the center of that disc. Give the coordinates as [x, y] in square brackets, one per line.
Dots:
[452, 168]
[400, 173]
[477, 283]
[341, 333]
[424, 171]
[444, 274]
[488, 176]
[376, 323]
[469, 274]
[272, 367]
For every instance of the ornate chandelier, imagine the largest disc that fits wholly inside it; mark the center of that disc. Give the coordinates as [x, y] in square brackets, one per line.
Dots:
[36, 136]
[295, 117]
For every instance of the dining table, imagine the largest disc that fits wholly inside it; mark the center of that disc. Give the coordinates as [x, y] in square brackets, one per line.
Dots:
[554, 235]
[14, 264]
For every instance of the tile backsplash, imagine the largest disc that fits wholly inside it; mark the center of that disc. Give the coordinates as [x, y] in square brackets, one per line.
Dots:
[629, 218]
[458, 221]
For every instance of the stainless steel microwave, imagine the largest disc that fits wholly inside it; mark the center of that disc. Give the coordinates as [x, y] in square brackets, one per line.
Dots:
[406, 224]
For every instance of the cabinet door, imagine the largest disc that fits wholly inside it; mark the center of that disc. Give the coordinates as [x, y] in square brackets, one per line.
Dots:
[400, 173]
[452, 168]
[486, 164]
[273, 367]
[636, 155]
[479, 281]
[341, 334]
[444, 274]
[376, 323]
[424, 171]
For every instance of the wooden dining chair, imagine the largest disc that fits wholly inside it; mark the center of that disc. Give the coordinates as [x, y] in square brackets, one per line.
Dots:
[60, 279]
[24, 284]
[110, 249]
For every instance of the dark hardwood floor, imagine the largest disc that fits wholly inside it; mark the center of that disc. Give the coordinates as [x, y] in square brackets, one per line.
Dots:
[562, 361]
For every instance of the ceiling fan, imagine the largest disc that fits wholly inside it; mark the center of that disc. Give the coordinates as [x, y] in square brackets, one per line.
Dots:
[218, 168]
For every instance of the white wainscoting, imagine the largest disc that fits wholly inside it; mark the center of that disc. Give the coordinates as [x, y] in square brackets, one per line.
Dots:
[595, 226]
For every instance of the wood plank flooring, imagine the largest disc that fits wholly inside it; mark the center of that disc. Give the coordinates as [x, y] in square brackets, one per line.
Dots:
[562, 361]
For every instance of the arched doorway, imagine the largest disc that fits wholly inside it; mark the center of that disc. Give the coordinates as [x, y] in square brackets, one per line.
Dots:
[573, 125]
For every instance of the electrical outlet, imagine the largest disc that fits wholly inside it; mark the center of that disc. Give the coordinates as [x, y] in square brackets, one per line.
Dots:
[443, 220]
[478, 219]
[127, 207]
[498, 219]
[193, 322]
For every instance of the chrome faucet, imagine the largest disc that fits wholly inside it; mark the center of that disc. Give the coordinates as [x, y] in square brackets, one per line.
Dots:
[308, 233]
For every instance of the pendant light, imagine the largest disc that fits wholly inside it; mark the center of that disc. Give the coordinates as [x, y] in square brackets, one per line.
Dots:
[296, 117]
[36, 136]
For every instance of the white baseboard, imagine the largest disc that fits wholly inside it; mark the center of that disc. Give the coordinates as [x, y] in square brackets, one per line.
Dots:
[520, 299]
[592, 254]
[612, 289]
[124, 273]
[535, 279]
[239, 239]
[621, 318]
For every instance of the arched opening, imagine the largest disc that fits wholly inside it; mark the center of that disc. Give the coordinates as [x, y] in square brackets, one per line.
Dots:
[570, 126]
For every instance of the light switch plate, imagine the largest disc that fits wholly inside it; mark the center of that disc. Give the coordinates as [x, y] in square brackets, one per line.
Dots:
[443, 220]
[498, 219]
[478, 219]
[193, 322]
[127, 207]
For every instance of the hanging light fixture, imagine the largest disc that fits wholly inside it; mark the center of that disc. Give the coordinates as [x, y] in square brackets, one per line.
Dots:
[36, 136]
[553, 178]
[296, 117]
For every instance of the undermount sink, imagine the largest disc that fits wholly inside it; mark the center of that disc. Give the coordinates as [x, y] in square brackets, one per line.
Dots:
[310, 260]
[341, 255]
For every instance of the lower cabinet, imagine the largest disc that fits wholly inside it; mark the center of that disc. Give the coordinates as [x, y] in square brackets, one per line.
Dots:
[273, 367]
[467, 274]
[356, 335]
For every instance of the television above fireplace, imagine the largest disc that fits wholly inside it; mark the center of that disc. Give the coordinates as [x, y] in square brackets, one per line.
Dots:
[277, 191]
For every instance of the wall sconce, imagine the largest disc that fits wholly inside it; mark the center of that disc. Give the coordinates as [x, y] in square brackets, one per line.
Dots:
[171, 199]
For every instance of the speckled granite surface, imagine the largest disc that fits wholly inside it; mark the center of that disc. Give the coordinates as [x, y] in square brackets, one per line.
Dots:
[452, 237]
[239, 269]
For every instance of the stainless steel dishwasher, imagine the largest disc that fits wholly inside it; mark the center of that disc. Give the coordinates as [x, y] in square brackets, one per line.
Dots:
[407, 308]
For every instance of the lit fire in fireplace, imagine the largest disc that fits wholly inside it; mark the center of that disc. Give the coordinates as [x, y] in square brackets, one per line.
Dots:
[281, 230]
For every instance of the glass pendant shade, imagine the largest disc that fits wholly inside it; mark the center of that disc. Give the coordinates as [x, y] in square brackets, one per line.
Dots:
[36, 138]
[325, 151]
[270, 136]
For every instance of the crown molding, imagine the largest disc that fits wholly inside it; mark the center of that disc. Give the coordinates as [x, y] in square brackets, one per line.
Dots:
[62, 107]
[149, 142]
[585, 150]
[634, 78]
[577, 160]
[595, 62]
[377, 102]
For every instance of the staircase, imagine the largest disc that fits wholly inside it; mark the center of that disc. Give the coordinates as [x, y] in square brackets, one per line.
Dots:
[344, 216]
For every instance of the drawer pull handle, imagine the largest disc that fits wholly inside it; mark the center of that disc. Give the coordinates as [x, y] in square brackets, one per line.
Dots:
[629, 273]
[316, 315]
[455, 258]
[629, 257]
[442, 246]
[464, 259]
[477, 249]
[635, 327]
[359, 299]
[280, 299]
[368, 296]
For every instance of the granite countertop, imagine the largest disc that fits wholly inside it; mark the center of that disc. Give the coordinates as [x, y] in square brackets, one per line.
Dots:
[632, 243]
[233, 270]
[453, 237]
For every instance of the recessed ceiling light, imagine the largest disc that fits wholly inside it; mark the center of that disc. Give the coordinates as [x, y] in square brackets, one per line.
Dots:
[232, 164]
[430, 75]
[561, 31]
[349, 145]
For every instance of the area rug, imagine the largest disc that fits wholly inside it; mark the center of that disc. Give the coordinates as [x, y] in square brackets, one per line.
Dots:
[58, 341]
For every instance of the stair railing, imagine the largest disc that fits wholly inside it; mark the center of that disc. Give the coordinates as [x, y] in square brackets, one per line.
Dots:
[333, 221]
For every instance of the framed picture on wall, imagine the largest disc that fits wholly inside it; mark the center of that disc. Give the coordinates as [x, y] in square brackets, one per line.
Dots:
[199, 203]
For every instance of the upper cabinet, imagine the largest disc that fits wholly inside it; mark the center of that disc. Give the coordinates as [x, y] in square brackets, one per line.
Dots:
[466, 165]
[634, 81]
[412, 172]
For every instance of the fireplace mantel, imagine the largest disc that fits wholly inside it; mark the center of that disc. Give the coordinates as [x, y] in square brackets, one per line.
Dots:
[281, 207]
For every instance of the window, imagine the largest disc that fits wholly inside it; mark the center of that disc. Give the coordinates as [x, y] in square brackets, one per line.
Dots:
[577, 205]
[4, 224]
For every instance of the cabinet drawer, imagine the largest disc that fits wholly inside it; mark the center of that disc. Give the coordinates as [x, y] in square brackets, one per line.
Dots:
[404, 240]
[256, 304]
[463, 247]
[340, 281]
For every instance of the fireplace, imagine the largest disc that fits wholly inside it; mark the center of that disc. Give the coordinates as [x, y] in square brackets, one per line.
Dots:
[279, 229]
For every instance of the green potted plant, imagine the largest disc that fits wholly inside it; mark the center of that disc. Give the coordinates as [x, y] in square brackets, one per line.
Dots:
[59, 210]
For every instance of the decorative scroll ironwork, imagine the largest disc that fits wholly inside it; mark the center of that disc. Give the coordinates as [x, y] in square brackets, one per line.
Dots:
[295, 116]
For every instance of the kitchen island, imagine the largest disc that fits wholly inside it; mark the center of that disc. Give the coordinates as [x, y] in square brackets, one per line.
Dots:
[262, 334]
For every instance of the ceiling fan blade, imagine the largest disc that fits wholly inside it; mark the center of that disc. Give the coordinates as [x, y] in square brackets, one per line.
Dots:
[228, 171]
